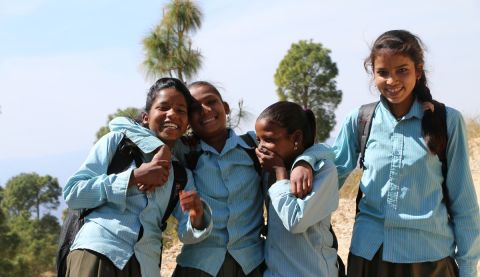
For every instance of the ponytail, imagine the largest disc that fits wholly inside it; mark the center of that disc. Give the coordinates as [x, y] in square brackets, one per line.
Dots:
[432, 128]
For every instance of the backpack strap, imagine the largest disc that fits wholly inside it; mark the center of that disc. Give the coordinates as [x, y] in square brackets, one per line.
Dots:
[179, 182]
[440, 112]
[364, 126]
[251, 152]
[127, 151]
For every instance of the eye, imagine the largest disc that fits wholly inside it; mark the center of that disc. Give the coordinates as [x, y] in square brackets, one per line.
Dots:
[164, 108]
[403, 70]
[181, 111]
[382, 73]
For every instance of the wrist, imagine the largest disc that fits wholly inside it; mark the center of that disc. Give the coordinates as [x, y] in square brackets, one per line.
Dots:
[280, 173]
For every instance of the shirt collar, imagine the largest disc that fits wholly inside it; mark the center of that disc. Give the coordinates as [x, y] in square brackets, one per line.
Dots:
[416, 110]
[232, 141]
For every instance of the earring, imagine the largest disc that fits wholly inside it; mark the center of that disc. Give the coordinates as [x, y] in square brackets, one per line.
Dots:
[295, 145]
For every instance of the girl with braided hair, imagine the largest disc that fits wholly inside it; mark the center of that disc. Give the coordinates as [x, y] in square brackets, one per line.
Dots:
[407, 224]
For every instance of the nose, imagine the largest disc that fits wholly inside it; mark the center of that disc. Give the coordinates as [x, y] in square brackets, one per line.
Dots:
[390, 80]
[206, 108]
[171, 113]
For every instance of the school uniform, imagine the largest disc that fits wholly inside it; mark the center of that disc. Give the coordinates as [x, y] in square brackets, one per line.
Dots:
[402, 215]
[299, 241]
[112, 228]
[229, 183]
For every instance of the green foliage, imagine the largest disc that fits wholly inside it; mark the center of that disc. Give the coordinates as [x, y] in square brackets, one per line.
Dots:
[26, 192]
[9, 242]
[306, 76]
[168, 48]
[131, 112]
[237, 115]
[28, 246]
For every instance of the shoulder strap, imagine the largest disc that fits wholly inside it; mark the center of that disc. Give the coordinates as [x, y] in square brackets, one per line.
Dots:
[127, 151]
[179, 182]
[440, 112]
[251, 151]
[364, 126]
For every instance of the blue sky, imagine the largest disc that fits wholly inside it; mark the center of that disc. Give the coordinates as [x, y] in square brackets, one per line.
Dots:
[66, 65]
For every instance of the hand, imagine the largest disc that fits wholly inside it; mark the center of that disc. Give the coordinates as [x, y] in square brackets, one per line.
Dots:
[271, 162]
[153, 174]
[301, 179]
[190, 201]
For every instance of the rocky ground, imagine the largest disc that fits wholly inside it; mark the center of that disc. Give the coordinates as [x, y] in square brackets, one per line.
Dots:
[342, 219]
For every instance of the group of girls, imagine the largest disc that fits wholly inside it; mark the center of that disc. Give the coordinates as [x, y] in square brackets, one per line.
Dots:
[403, 227]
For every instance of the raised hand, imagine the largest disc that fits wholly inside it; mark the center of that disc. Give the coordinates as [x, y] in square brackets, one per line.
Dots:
[153, 174]
[191, 203]
[271, 162]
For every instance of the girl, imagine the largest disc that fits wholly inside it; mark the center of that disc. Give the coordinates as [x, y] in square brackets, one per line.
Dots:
[299, 242]
[122, 235]
[403, 228]
[226, 178]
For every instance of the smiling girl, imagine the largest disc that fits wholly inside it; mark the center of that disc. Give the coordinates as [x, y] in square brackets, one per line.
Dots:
[406, 224]
[121, 235]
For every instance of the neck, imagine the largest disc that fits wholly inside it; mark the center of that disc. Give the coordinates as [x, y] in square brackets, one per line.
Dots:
[400, 109]
[217, 141]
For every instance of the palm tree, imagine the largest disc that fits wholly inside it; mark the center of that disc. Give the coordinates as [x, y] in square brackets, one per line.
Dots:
[168, 48]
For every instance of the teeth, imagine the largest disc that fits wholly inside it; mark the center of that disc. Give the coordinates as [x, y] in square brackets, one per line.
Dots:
[170, 125]
[208, 120]
[393, 90]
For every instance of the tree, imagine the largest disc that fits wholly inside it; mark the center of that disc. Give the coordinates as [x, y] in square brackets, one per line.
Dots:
[306, 76]
[28, 191]
[9, 241]
[237, 115]
[134, 113]
[168, 48]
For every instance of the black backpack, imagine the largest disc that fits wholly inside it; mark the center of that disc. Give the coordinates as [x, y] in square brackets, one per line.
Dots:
[364, 120]
[126, 152]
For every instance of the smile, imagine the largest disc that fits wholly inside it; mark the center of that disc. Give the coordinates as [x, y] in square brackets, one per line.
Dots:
[170, 125]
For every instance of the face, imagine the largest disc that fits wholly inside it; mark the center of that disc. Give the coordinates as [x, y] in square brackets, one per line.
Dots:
[168, 116]
[276, 139]
[209, 119]
[395, 76]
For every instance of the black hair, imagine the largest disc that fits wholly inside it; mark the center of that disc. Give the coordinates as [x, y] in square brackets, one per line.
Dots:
[206, 84]
[292, 117]
[405, 43]
[169, 82]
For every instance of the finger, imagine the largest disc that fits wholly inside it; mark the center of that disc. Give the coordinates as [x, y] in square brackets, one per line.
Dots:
[163, 153]
[299, 190]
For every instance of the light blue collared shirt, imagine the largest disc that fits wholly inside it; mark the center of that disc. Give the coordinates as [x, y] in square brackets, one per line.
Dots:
[299, 242]
[228, 182]
[112, 228]
[402, 206]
